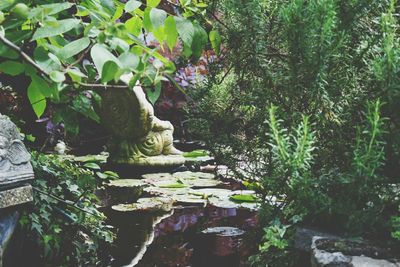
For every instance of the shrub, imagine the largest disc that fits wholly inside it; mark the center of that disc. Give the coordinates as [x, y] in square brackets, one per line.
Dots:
[64, 222]
[318, 61]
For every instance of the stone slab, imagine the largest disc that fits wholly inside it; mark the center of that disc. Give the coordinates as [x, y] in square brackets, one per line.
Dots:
[16, 196]
[361, 261]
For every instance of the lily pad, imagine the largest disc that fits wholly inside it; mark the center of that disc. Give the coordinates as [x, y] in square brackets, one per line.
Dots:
[245, 198]
[196, 153]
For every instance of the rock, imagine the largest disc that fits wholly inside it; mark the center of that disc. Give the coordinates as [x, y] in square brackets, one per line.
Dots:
[188, 175]
[333, 252]
[16, 196]
[304, 236]
[168, 192]
[125, 190]
[153, 178]
[146, 204]
[322, 258]
[361, 261]
[219, 246]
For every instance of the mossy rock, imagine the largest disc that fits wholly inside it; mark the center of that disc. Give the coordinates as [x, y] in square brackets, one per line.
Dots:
[125, 190]
[158, 191]
[193, 175]
[153, 204]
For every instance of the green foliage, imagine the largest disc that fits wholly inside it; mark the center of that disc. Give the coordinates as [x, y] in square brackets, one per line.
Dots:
[318, 61]
[396, 226]
[65, 223]
[69, 50]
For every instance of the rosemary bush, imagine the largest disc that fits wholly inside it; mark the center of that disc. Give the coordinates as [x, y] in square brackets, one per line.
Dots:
[326, 153]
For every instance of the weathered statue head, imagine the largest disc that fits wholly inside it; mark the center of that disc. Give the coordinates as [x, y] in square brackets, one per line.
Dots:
[14, 158]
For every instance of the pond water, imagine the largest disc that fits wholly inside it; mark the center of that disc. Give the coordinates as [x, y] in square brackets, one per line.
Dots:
[190, 234]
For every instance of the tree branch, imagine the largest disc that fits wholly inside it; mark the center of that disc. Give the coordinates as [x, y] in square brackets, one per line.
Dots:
[25, 56]
[30, 61]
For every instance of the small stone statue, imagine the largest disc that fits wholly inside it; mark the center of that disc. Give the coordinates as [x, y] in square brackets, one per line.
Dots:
[15, 163]
[139, 137]
[15, 170]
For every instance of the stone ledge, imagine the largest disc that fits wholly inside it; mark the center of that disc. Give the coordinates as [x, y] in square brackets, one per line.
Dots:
[16, 196]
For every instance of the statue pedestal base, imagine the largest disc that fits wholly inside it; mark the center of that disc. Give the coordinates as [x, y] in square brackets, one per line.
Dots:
[156, 161]
[134, 168]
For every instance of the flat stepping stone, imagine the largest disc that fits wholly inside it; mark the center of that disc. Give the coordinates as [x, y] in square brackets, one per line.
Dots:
[146, 204]
[226, 203]
[200, 183]
[151, 177]
[193, 175]
[212, 192]
[159, 191]
[190, 200]
[129, 183]
[220, 241]
[124, 190]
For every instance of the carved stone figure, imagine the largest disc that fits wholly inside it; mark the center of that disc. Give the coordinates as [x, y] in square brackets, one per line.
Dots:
[139, 137]
[15, 166]
[15, 170]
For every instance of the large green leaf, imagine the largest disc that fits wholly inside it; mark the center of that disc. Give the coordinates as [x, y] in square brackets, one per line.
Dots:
[129, 60]
[73, 48]
[6, 52]
[46, 60]
[100, 56]
[134, 25]
[148, 26]
[215, 39]
[45, 89]
[132, 5]
[108, 6]
[154, 94]
[57, 76]
[171, 32]
[110, 69]
[12, 68]
[36, 98]
[157, 17]
[185, 29]
[153, 3]
[51, 9]
[201, 38]
[57, 28]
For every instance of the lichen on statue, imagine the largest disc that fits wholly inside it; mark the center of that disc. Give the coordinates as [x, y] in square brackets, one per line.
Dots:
[15, 164]
[139, 137]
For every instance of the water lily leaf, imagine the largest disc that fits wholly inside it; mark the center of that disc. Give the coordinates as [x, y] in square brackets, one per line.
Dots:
[244, 198]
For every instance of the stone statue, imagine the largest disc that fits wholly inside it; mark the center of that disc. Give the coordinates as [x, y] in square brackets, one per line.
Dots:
[15, 166]
[139, 137]
[15, 171]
